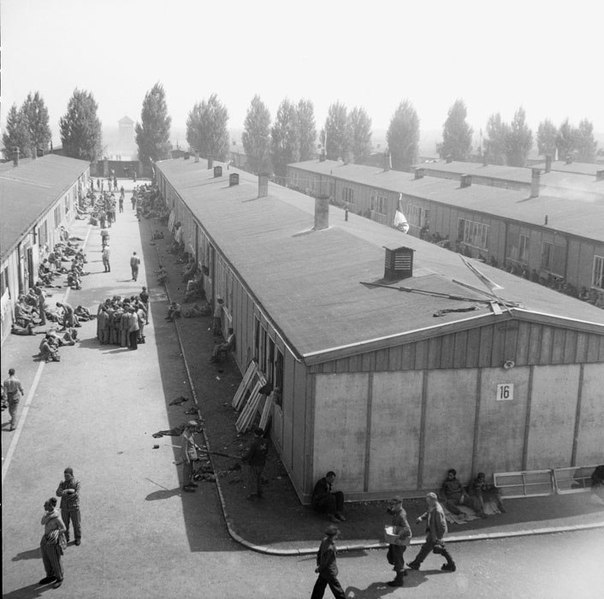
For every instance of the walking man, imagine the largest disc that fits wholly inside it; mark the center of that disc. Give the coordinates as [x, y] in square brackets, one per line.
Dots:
[106, 255]
[436, 529]
[13, 391]
[52, 544]
[188, 449]
[255, 457]
[396, 549]
[134, 264]
[69, 492]
[327, 567]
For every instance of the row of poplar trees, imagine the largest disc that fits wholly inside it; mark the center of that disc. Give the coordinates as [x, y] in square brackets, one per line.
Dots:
[292, 137]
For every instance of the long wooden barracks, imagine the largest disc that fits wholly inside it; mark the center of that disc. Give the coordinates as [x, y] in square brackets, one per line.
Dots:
[394, 361]
[37, 198]
[548, 225]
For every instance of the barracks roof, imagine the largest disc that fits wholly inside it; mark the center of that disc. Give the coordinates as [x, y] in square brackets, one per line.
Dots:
[27, 192]
[309, 282]
[570, 182]
[580, 168]
[582, 215]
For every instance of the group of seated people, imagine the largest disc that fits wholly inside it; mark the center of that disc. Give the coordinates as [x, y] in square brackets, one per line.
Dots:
[118, 317]
[52, 266]
[475, 495]
[326, 500]
[149, 203]
[53, 340]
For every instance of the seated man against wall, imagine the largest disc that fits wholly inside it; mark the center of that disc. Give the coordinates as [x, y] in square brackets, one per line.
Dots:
[326, 500]
[223, 348]
[481, 491]
[453, 493]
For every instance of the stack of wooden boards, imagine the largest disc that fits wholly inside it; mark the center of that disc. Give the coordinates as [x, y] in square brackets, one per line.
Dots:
[251, 401]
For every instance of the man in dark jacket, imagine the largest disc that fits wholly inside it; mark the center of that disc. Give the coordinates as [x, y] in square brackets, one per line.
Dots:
[255, 458]
[436, 529]
[327, 568]
[326, 500]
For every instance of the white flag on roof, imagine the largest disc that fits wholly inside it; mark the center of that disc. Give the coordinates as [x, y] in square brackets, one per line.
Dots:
[400, 222]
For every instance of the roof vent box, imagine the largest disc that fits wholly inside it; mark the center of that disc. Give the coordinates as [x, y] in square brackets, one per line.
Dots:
[398, 264]
[233, 179]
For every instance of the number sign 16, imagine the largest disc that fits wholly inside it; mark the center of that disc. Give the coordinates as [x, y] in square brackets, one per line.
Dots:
[505, 392]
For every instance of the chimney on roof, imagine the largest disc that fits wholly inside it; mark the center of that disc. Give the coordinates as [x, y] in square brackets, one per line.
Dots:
[449, 159]
[262, 185]
[485, 159]
[466, 180]
[217, 171]
[322, 157]
[186, 156]
[233, 179]
[387, 161]
[210, 162]
[599, 175]
[398, 264]
[548, 163]
[16, 156]
[535, 182]
[321, 212]
[546, 219]
[34, 153]
[196, 156]
[419, 172]
[569, 159]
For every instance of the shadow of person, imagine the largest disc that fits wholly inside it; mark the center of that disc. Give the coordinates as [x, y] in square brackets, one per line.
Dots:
[374, 591]
[31, 554]
[31, 591]
[163, 494]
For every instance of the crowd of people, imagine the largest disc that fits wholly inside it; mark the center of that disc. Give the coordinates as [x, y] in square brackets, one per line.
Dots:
[121, 320]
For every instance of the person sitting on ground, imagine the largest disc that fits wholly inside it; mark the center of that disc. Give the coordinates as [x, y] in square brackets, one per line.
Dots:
[597, 483]
[48, 353]
[453, 493]
[174, 311]
[190, 270]
[326, 500]
[223, 348]
[162, 275]
[481, 491]
[24, 315]
[157, 234]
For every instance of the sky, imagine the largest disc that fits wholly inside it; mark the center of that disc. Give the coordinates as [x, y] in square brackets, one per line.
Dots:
[544, 55]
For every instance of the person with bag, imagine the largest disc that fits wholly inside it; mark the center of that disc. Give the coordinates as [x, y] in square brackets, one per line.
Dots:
[327, 567]
[188, 456]
[398, 535]
[436, 529]
[53, 544]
